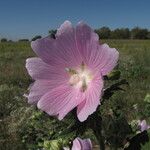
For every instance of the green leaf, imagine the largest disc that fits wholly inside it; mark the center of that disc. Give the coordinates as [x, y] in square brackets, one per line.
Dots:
[52, 145]
[108, 92]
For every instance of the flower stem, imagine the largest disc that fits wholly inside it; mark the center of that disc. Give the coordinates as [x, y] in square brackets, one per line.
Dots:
[99, 139]
[96, 126]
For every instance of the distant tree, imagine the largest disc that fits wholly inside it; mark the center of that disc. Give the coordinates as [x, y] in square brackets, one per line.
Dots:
[36, 37]
[3, 40]
[104, 32]
[138, 33]
[23, 40]
[148, 36]
[10, 41]
[125, 33]
[122, 33]
[52, 33]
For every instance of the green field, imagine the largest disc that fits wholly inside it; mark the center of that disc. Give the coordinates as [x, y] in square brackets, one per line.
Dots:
[134, 64]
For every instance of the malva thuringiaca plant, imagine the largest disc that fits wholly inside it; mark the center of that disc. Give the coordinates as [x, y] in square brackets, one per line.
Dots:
[69, 70]
[69, 75]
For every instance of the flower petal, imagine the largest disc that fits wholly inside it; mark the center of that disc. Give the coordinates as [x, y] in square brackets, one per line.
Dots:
[87, 42]
[95, 56]
[60, 101]
[144, 126]
[41, 87]
[92, 99]
[38, 89]
[65, 27]
[76, 145]
[79, 144]
[108, 58]
[38, 69]
[60, 52]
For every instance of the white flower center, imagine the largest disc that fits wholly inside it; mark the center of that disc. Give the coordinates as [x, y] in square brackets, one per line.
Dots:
[80, 78]
[74, 79]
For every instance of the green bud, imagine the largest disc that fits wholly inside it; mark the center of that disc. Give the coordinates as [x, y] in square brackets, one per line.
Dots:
[114, 75]
[147, 98]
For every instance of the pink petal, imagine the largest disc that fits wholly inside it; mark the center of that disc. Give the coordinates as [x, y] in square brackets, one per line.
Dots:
[65, 27]
[143, 125]
[108, 58]
[38, 89]
[97, 57]
[92, 99]
[60, 100]
[87, 42]
[86, 144]
[38, 69]
[60, 52]
[79, 144]
[76, 145]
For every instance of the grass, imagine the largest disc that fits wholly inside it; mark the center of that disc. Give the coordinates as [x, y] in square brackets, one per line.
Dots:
[134, 65]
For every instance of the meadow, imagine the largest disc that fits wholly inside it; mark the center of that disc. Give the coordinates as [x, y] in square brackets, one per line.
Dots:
[134, 64]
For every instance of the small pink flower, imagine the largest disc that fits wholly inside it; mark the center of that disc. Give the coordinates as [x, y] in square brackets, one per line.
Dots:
[79, 144]
[143, 125]
[69, 70]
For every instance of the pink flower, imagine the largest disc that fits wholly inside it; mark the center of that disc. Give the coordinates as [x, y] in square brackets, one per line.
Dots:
[69, 70]
[143, 125]
[79, 144]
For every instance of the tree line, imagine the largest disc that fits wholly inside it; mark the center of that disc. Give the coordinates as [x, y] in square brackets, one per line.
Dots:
[104, 33]
[123, 33]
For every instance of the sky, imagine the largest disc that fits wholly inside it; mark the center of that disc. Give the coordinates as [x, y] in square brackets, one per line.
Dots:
[27, 18]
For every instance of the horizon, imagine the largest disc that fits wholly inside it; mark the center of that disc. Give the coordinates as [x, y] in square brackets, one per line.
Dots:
[30, 39]
[26, 19]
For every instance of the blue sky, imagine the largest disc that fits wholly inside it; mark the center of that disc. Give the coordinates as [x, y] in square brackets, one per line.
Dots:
[27, 18]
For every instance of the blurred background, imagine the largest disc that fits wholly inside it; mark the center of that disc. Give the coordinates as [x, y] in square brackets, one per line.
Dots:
[124, 25]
